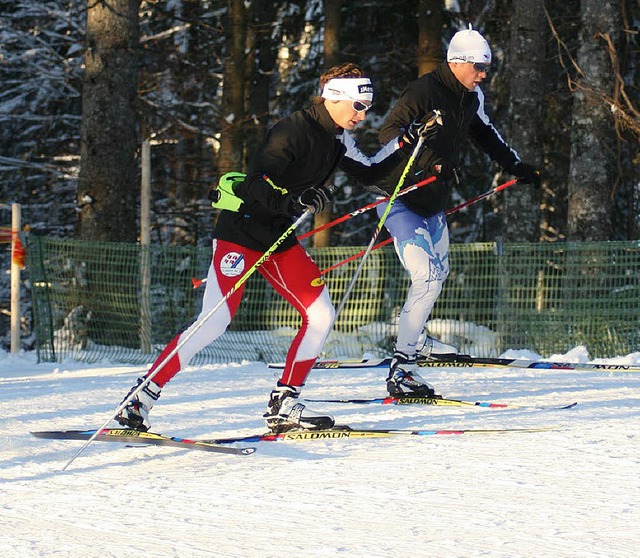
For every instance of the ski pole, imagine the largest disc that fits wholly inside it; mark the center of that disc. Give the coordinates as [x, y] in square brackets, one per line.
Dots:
[448, 212]
[481, 196]
[366, 208]
[175, 350]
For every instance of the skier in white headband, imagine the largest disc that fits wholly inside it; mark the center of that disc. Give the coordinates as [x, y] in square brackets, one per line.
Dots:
[417, 222]
[287, 176]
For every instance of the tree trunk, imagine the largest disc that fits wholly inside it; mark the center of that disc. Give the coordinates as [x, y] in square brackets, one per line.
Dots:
[107, 184]
[521, 215]
[263, 63]
[332, 26]
[593, 134]
[230, 157]
[429, 35]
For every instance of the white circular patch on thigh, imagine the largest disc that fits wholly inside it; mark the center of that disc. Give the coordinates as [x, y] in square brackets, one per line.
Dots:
[232, 264]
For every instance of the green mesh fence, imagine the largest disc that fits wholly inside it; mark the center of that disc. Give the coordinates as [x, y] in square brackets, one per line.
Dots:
[95, 301]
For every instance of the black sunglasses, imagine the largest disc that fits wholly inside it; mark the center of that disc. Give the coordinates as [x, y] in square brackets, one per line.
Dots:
[479, 67]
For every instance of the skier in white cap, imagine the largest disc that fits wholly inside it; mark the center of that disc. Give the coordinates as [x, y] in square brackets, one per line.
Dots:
[417, 222]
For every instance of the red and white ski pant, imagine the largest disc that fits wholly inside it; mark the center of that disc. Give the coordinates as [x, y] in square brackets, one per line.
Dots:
[292, 273]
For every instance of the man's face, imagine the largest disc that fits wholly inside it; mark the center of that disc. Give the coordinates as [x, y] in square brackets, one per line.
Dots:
[344, 113]
[469, 74]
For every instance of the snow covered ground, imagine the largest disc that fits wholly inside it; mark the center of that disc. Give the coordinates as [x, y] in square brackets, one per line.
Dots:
[570, 491]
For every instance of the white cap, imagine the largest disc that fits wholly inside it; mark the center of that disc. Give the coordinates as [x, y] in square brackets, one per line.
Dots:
[469, 46]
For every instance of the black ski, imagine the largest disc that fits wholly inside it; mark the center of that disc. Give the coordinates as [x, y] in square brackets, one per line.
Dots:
[410, 400]
[137, 436]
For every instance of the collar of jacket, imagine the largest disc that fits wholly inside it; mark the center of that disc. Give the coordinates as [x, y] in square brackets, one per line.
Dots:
[321, 115]
[444, 73]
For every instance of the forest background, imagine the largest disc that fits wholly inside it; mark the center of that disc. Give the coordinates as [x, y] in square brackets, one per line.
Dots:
[85, 83]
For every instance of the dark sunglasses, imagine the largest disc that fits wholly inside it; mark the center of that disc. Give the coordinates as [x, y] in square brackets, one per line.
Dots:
[479, 67]
[359, 106]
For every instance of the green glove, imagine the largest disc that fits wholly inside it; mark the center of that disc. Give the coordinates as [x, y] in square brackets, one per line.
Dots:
[224, 196]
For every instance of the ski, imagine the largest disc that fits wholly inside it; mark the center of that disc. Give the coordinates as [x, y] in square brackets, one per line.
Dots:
[467, 361]
[346, 432]
[137, 436]
[409, 400]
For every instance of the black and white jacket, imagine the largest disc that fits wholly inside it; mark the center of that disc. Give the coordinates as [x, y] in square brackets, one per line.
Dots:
[463, 117]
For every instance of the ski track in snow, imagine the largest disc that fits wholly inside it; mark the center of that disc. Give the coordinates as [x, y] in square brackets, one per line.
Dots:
[570, 491]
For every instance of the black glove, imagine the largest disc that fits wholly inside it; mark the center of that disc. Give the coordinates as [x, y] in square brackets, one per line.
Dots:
[313, 199]
[425, 127]
[445, 170]
[526, 174]
[411, 135]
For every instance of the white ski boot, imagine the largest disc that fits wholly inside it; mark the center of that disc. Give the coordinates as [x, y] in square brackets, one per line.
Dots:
[403, 379]
[436, 350]
[284, 412]
[136, 414]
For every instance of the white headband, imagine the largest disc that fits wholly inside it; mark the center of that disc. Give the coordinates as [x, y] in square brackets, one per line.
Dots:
[343, 89]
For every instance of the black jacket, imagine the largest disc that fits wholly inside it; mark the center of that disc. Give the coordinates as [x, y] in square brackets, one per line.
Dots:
[300, 151]
[463, 116]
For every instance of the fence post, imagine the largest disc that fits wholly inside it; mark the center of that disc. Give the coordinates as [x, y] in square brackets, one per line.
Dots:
[501, 304]
[16, 215]
[145, 256]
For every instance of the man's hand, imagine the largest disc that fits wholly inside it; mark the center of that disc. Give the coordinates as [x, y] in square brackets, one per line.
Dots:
[425, 127]
[314, 199]
[445, 170]
[526, 174]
